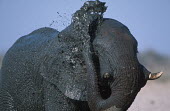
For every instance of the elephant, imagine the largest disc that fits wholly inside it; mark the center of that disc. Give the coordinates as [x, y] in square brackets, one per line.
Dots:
[91, 65]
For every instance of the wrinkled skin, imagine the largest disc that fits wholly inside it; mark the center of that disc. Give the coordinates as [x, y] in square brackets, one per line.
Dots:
[90, 65]
[30, 75]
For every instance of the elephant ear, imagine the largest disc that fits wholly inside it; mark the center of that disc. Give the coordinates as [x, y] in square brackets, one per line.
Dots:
[66, 70]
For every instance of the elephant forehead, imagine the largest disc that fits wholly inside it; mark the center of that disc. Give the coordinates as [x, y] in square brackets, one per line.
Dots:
[112, 31]
[114, 43]
[114, 36]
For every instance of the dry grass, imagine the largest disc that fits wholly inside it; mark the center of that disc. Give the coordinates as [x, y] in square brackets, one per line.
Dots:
[153, 97]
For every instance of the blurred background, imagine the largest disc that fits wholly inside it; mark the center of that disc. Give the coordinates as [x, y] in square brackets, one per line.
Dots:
[148, 21]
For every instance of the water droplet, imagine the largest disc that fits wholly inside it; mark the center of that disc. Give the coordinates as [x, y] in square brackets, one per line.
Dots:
[75, 49]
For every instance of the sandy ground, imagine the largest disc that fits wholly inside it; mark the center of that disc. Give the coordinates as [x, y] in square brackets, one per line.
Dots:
[155, 96]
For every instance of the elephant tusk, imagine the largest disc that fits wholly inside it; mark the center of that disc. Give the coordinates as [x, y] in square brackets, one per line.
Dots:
[153, 76]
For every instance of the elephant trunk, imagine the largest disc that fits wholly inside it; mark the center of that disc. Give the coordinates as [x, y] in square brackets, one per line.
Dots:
[93, 94]
[123, 90]
[95, 101]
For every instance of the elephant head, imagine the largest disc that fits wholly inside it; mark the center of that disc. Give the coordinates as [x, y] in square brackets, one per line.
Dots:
[97, 61]
[115, 75]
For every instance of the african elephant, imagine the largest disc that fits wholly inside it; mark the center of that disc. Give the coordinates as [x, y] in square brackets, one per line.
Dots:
[90, 65]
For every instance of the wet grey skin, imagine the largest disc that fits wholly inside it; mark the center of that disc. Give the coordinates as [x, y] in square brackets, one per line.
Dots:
[89, 66]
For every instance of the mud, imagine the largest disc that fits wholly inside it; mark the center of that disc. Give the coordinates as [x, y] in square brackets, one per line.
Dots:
[75, 38]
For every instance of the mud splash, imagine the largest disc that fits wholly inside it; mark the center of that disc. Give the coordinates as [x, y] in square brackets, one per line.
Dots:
[76, 37]
[87, 18]
[84, 22]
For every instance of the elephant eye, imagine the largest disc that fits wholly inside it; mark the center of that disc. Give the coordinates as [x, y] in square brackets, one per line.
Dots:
[106, 75]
